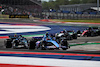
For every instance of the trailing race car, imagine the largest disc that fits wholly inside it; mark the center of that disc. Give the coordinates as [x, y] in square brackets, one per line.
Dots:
[73, 34]
[69, 35]
[66, 35]
[91, 31]
[16, 42]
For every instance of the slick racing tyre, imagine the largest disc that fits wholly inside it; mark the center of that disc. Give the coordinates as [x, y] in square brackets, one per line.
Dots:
[65, 43]
[42, 45]
[64, 48]
[69, 38]
[90, 34]
[74, 36]
[7, 43]
[32, 44]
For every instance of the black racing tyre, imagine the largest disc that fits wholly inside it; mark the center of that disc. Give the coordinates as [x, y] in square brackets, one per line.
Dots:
[65, 43]
[98, 32]
[8, 43]
[68, 46]
[88, 34]
[32, 44]
[43, 48]
[42, 45]
[92, 34]
[64, 48]
[74, 36]
[69, 38]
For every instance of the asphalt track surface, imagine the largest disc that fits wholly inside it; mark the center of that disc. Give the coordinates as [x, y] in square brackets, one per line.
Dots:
[86, 48]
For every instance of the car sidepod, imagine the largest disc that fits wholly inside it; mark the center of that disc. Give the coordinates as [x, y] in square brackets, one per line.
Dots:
[54, 45]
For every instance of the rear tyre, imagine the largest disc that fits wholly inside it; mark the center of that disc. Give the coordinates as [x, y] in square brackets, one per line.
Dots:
[42, 45]
[65, 43]
[8, 43]
[74, 36]
[69, 37]
[64, 48]
[32, 44]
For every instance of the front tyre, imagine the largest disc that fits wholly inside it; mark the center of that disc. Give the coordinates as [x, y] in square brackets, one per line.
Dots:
[32, 44]
[42, 45]
[64, 48]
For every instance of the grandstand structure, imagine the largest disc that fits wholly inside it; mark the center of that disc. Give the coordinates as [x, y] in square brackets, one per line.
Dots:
[21, 6]
[77, 7]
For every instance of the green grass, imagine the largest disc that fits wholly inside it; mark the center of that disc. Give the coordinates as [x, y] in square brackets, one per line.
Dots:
[86, 21]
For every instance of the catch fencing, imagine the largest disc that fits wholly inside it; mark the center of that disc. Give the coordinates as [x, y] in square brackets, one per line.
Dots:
[56, 15]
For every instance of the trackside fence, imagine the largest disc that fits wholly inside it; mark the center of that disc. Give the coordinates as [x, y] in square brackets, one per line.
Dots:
[56, 15]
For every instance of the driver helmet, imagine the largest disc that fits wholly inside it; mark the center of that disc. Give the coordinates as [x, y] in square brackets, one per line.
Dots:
[20, 35]
[15, 35]
[64, 30]
[47, 34]
[61, 32]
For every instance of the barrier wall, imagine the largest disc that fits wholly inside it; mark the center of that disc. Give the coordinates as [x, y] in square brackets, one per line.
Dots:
[48, 59]
[57, 15]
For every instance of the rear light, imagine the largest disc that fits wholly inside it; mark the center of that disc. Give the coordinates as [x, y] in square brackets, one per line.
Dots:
[48, 39]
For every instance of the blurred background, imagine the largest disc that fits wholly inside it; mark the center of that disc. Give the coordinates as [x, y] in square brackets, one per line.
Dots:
[50, 9]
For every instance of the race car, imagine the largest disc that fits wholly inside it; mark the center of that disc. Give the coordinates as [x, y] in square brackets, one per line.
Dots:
[91, 31]
[16, 42]
[46, 43]
[69, 35]
[66, 35]
[73, 34]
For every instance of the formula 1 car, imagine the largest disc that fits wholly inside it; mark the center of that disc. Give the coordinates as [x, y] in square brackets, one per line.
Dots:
[73, 34]
[69, 35]
[91, 31]
[66, 35]
[48, 44]
[16, 42]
